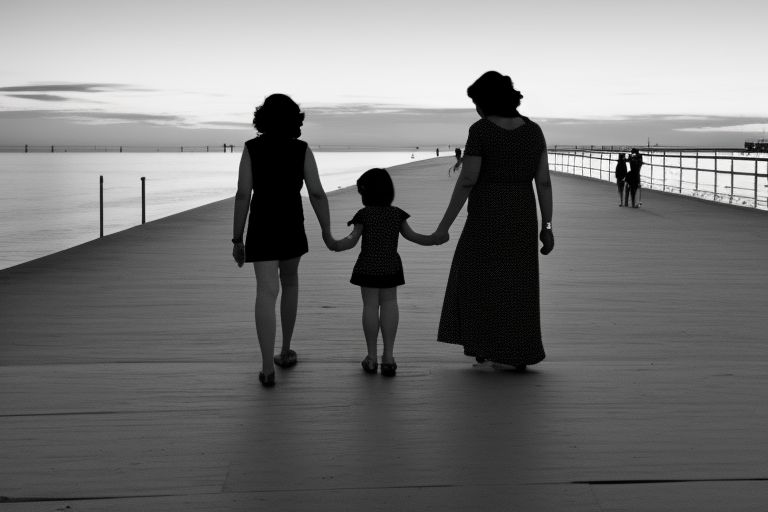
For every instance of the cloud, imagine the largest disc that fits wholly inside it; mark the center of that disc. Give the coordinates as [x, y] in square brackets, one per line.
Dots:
[93, 117]
[39, 97]
[86, 87]
[739, 128]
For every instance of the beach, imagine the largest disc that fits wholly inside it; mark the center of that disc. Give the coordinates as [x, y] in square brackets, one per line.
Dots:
[128, 371]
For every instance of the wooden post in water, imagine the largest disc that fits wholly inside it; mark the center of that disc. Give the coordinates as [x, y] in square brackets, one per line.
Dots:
[143, 201]
[101, 206]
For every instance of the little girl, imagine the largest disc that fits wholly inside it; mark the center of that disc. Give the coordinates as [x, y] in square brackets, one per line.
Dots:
[379, 270]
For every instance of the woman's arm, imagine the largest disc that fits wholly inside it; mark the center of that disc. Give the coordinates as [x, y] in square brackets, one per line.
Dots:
[544, 188]
[544, 193]
[317, 196]
[348, 241]
[243, 195]
[470, 171]
[417, 238]
[242, 203]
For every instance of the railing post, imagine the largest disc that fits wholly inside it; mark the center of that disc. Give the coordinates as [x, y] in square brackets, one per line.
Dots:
[697, 172]
[664, 171]
[755, 183]
[143, 201]
[26, 148]
[731, 198]
[715, 196]
[680, 168]
[101, 206]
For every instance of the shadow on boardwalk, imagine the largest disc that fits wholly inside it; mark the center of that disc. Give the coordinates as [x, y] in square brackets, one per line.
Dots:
[128, 372]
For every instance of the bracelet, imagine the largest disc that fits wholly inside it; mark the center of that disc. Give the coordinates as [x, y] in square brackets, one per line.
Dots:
[237, 240]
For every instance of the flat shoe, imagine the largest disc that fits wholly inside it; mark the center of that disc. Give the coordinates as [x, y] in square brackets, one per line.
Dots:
[286, 359]
[369, 365]
[389, 369]
[267, 381]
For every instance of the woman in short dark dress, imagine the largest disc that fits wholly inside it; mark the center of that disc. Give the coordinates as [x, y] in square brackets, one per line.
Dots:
[274, 167]
[491, 304]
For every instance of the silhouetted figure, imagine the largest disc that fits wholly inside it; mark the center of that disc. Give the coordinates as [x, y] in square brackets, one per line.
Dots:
[621, 175]
[455, 167]
[378, 270]
[491, 304]
[274, 167]
[633, 177]
[437, 151]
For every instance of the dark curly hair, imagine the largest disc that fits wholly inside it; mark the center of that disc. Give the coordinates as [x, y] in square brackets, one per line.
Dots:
[279, 115]
[495, 94]
[376, 187]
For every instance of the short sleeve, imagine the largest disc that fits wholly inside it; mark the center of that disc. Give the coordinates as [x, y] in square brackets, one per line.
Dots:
[401, 215]
[474, 145]
[359, 218]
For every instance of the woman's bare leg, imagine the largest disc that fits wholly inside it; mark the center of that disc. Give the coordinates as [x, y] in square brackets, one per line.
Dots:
[389, 319]
[371, 319]
[267, 289]
[289, 300]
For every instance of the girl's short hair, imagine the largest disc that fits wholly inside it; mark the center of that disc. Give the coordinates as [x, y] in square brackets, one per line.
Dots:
[495, 94]
[279, 115]
[376, 187]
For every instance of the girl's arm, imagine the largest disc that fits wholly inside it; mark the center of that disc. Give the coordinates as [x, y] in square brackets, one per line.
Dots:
[348, 241]
[470, 171]
[417, 238]
[317, 196]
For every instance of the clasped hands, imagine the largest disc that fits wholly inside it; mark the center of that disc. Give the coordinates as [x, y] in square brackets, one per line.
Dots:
[436, 238]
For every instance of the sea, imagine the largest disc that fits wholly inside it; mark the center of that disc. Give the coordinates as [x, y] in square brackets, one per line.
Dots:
[50, 201]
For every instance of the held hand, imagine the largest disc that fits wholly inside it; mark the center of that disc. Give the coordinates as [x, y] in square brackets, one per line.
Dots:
[330, 243]
[440, 237]
[238, 253]
[548, 241]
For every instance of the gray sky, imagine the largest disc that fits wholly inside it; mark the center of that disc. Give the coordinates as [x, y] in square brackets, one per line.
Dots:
[110, 69]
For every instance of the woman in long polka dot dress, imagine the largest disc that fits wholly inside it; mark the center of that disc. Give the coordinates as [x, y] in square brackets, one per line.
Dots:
[378, 270]
[491, 304]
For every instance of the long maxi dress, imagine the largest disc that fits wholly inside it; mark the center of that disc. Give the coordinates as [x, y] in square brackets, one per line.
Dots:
[491, 304]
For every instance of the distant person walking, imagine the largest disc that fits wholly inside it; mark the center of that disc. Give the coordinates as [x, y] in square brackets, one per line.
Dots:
[633, 177]
[379, 270]
[621, 175]
[437, 151]
[491, 304]
[273, 168]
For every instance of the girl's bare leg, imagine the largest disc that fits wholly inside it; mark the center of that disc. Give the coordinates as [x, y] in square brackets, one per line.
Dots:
[371, 319]
[289, 300]
[390, 318]
[267, 288]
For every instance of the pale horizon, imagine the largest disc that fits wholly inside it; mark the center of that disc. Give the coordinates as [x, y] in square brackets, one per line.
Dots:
[668, 73]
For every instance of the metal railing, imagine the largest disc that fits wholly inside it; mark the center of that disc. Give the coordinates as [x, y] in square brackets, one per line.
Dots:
[715, 174]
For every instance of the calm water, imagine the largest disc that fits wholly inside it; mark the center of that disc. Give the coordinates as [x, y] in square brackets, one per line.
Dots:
[50, 201]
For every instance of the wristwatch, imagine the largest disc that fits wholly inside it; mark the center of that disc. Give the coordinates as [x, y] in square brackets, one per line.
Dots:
[547, 225]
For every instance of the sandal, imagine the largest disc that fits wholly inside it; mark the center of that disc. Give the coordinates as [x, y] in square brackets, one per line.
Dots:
[286, 359]
[389, 369]
[369, 365]
[267, 381]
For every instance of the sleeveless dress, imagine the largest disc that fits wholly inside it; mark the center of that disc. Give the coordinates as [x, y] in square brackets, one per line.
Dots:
[379, 265]
[491, 304]
[276, 219]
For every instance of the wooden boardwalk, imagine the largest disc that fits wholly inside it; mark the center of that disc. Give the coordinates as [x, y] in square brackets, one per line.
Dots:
[128, 372]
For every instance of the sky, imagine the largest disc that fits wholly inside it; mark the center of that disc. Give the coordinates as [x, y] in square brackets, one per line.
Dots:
[388, 73]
